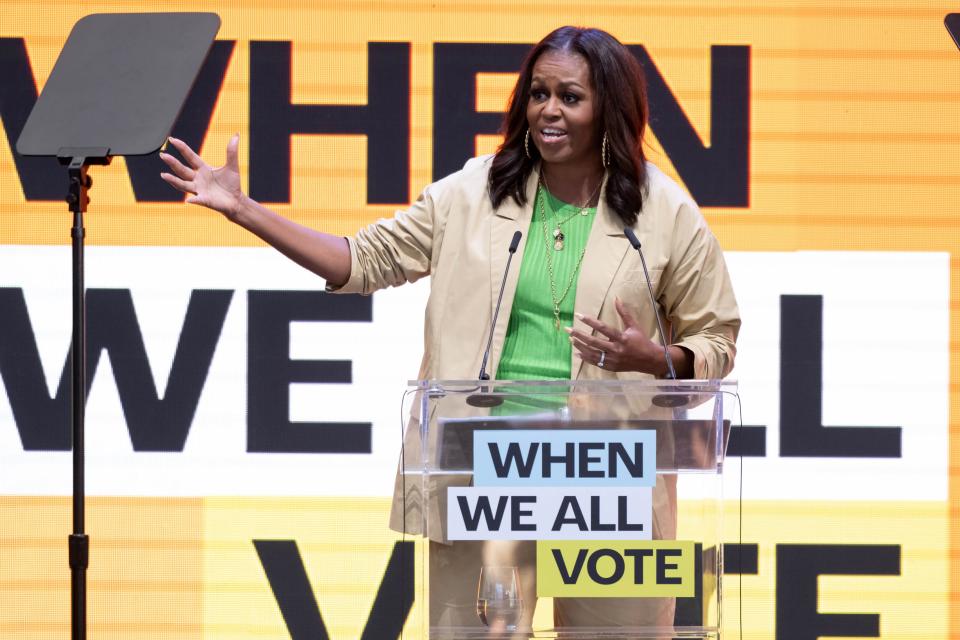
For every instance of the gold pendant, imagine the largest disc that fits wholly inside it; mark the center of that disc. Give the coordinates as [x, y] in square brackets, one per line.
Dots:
[558, 238]
[556, 316]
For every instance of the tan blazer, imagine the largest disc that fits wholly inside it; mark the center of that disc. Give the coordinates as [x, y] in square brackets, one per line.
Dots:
[453, 234]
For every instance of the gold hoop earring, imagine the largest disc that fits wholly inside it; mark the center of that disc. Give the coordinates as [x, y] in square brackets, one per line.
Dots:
[605, 151]
[526, 143]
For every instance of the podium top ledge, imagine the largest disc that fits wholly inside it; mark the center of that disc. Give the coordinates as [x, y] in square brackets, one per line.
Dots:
[578, 386]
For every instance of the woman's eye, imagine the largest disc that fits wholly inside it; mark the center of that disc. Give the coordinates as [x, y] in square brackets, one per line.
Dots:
[537, 94]
[570, 98]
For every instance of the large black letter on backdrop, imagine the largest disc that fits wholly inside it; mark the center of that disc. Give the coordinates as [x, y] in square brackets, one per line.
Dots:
[456, 121]
[155, 424]
[270, 372]
[802, 432]
[291, 587]
[741, 558]
[191, 127]
[718, 175]
[43, 422]
[798, 568]
[41, 178]
[112, 325]
[385, 120]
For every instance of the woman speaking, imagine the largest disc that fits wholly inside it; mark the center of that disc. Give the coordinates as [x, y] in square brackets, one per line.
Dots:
[571, 174]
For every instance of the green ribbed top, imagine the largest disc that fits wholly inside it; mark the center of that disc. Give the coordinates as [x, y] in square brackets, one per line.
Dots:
[534, 349]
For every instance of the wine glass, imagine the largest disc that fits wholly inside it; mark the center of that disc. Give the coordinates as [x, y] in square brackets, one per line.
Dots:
[499, 600]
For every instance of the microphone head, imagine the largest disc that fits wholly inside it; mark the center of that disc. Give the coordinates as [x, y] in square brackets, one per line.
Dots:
[632, 237]
[670, 400]
[484, 400]
[515, 242]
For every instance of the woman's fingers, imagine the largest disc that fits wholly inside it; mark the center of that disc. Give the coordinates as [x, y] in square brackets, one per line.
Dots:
[217, 189]
[590, 348]
[188, 154]
[592, 355]
[177, 183]
[177, 167]
[232, 160]
[625, 315]
[590, 341]
[626, 350]
[600, 327]
[587, 355]
[586, 349]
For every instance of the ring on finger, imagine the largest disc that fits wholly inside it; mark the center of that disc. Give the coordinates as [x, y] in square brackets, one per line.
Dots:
[603, 356]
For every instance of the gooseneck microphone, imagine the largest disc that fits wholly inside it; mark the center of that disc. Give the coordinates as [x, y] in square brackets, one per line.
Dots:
[632, 237]
[514, 243]
[483, 398]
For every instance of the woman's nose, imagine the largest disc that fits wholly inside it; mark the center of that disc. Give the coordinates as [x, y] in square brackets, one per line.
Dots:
[552, 107]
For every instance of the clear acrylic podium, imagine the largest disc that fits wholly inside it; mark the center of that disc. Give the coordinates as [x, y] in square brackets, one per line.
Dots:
[566, 509]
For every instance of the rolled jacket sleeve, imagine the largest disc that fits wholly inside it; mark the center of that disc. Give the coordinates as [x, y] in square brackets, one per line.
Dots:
[393, 251]
[699, 301]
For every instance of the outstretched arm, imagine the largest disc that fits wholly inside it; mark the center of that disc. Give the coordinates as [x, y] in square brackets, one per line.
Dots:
[219, 189]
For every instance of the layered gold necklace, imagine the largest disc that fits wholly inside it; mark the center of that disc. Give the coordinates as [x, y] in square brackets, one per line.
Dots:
[558, 237]
[582, 210]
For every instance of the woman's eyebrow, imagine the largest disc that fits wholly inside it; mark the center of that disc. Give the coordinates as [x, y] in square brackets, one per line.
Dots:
[564, 84]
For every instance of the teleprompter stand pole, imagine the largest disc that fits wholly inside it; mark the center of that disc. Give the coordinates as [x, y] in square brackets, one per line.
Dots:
[79, 542]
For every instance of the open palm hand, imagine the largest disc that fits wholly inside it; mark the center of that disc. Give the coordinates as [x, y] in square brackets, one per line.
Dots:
[217, 189]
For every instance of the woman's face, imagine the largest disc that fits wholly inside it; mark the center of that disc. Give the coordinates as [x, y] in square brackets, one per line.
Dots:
[561, 111]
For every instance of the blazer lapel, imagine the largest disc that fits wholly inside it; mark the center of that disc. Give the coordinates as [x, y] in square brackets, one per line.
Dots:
[606, 248]
[507, 219]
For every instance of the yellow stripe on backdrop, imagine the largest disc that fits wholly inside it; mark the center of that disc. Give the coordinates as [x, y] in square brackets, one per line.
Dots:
[854, 146]
[146, 577]
[188, 567]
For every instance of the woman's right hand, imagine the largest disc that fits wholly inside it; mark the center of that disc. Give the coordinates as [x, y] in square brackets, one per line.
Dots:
[217, 189]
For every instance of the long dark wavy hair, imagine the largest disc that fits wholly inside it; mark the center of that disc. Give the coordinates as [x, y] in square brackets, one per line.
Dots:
[621, 93]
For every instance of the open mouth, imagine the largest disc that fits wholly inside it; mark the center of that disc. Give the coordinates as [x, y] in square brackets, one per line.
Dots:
[552, 134]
